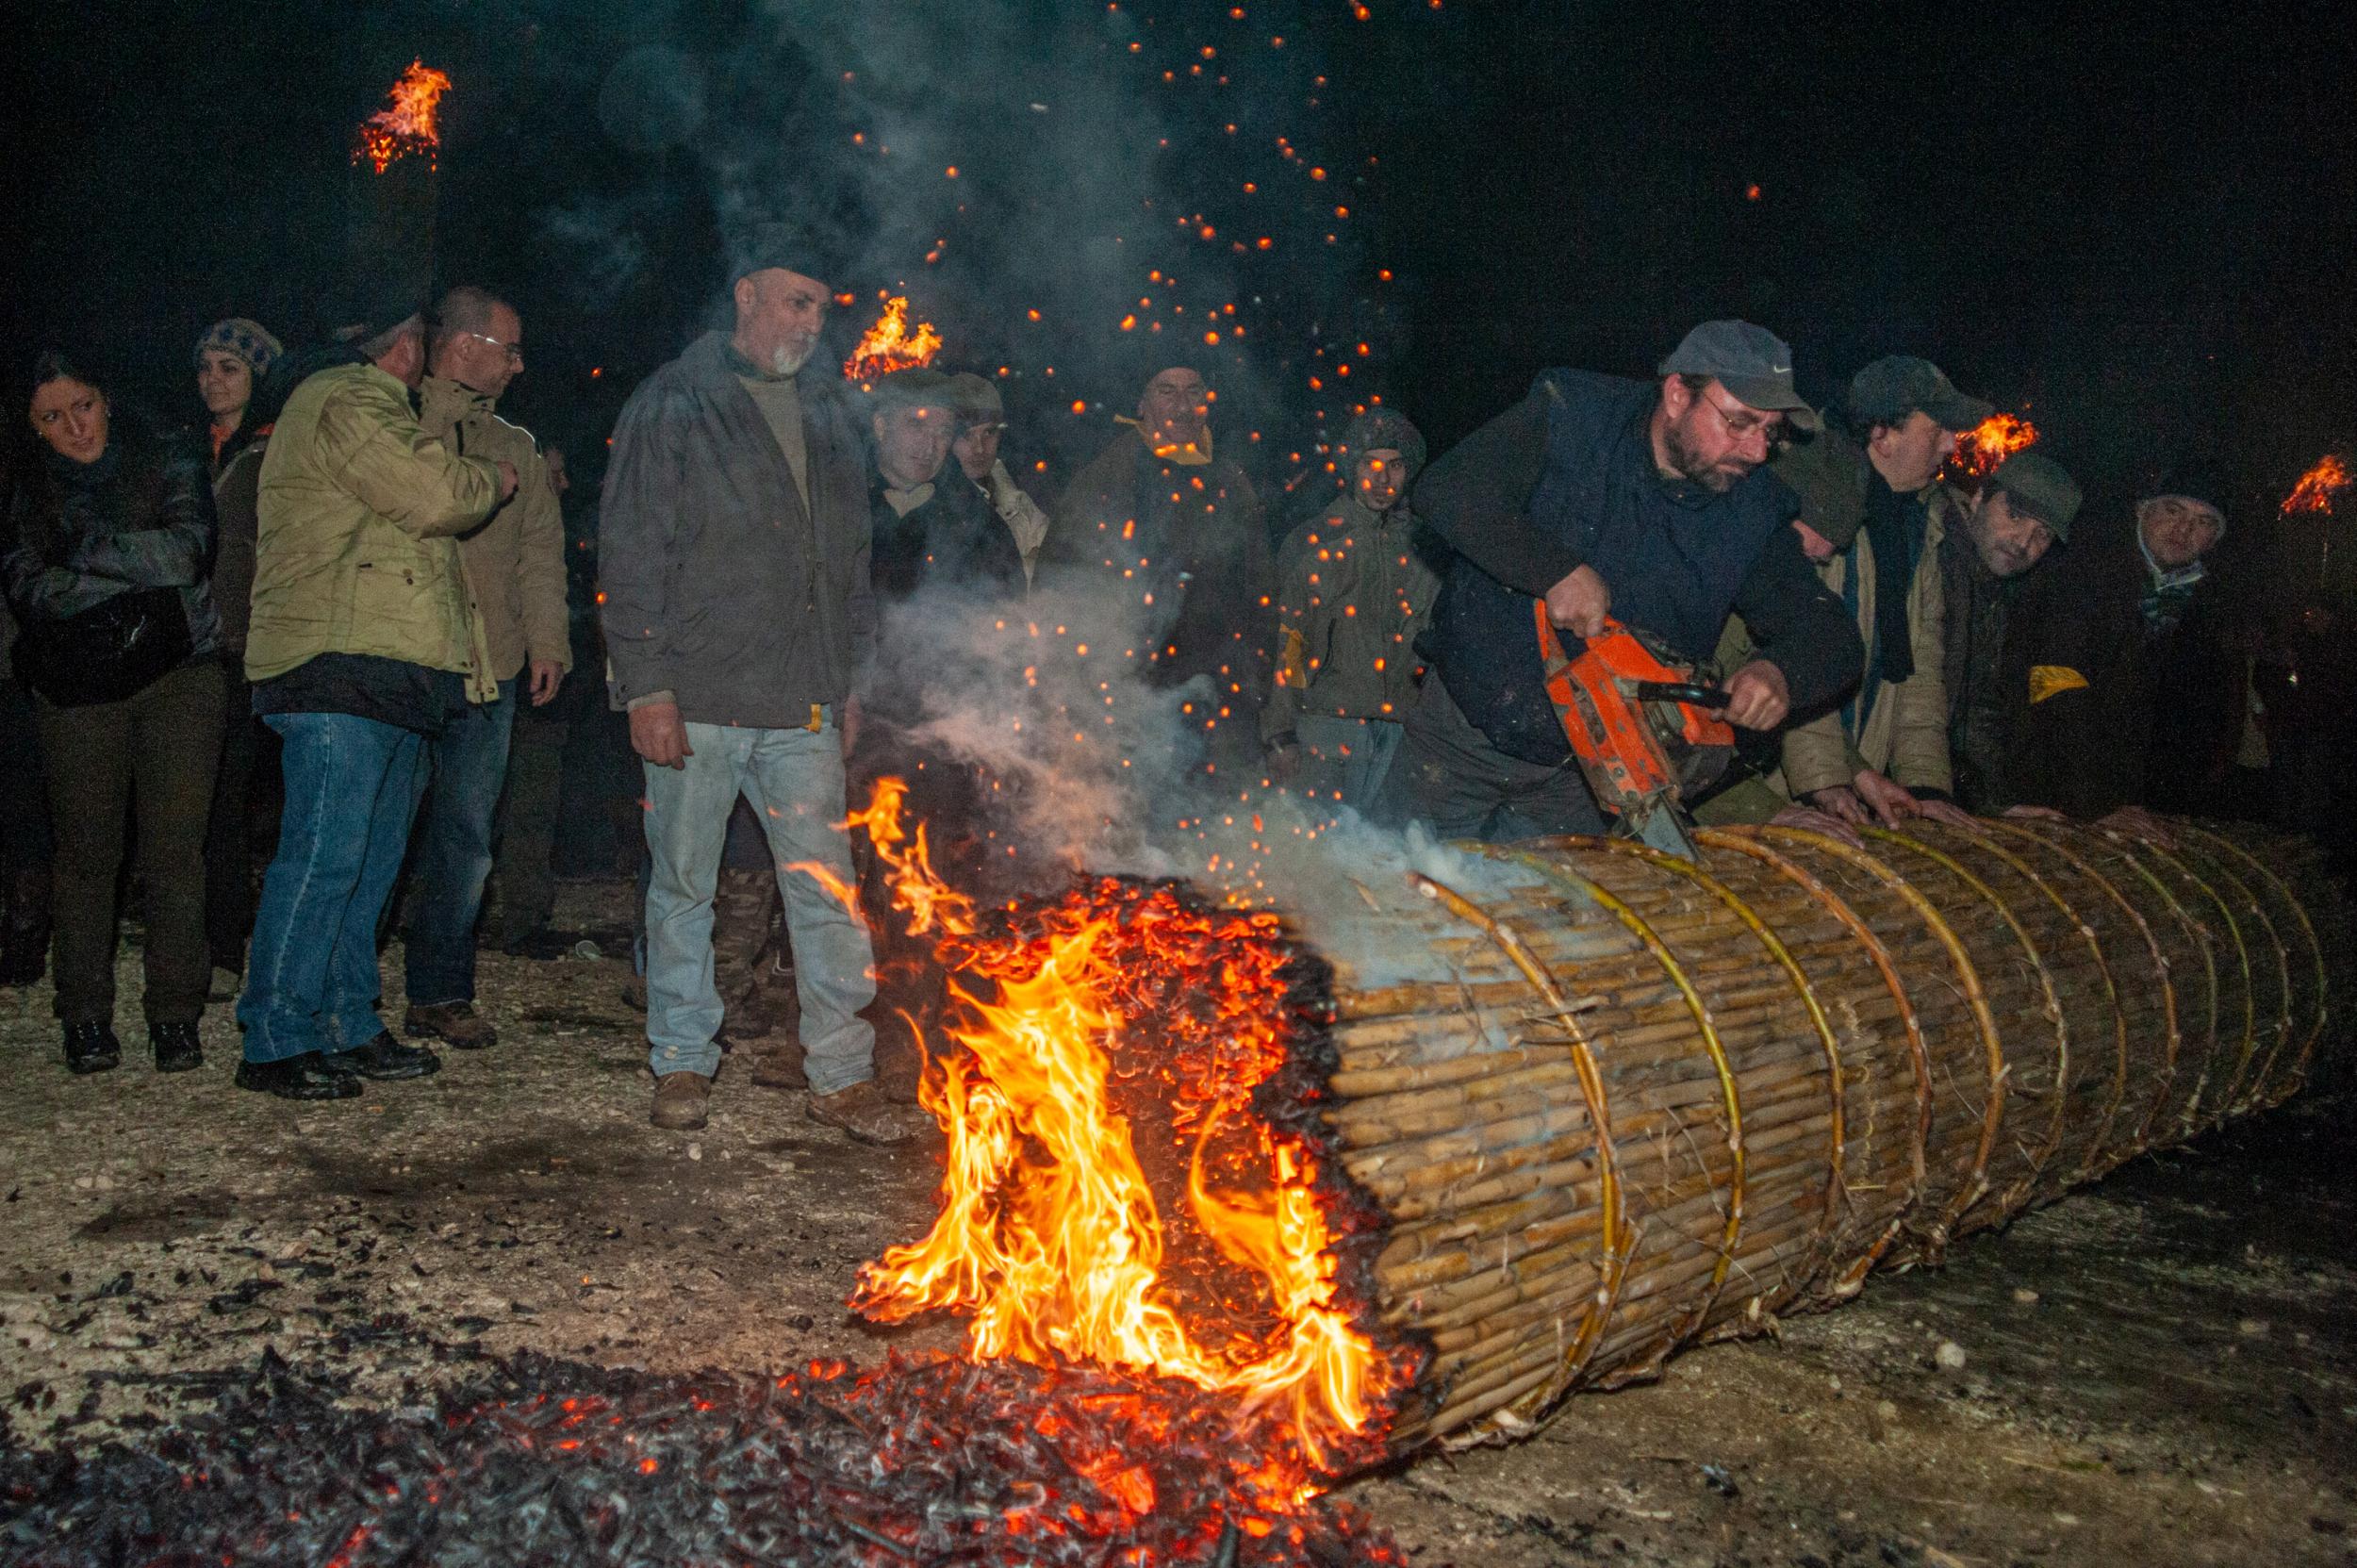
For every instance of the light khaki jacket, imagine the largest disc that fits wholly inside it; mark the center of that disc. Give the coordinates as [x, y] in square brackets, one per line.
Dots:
[1905, 735]
[355, 547]
[515, 563]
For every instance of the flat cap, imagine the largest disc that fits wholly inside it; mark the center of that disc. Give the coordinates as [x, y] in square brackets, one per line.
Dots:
[2043, 489]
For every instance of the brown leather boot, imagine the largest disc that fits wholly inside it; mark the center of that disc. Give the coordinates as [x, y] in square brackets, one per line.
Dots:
[456, 1022]
[680, 1101]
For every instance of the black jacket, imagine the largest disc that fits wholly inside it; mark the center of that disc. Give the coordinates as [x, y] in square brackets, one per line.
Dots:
[952, 538]
[2109, 709]
[1566, 478]
[140, 517]
[721, 587]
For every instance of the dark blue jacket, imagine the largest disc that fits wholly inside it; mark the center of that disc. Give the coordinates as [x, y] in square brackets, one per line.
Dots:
[1566, 478]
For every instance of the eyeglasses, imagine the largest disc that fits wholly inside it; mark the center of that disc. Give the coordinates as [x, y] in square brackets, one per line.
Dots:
[1746, 424]
[514, 351]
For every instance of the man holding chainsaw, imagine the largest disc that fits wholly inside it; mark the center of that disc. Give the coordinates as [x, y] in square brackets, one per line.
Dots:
[1605, 500]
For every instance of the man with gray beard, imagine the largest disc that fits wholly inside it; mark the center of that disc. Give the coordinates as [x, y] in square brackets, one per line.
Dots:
[738, 614]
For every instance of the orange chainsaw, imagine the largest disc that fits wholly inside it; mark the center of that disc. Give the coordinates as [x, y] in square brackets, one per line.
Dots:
[1646, 732]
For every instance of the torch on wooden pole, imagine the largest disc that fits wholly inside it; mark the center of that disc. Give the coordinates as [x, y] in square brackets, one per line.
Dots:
[393, 191]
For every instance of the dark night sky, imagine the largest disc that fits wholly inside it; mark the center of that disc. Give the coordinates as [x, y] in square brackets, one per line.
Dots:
[2137, 220]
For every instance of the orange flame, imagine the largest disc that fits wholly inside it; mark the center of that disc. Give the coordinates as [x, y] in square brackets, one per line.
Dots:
[1050, 1233]
[2318, 488]
[1997, 437]
[889, 345]
[405, 125]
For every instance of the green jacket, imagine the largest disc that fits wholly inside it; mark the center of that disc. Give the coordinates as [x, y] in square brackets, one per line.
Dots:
[356, 546]
[1353, 590]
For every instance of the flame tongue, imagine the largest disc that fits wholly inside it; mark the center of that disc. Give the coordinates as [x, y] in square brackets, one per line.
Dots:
[890, 345]
[1109, 1196]
[1981, 448]
[405, 125]
[2318, 488]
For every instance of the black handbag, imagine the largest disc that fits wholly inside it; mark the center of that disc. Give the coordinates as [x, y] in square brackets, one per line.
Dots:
[116, 649]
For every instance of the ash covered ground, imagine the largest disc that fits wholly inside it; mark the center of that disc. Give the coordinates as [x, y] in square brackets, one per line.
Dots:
[2162, 1370]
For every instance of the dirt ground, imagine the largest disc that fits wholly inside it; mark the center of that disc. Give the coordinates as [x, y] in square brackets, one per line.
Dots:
[2161, 1370]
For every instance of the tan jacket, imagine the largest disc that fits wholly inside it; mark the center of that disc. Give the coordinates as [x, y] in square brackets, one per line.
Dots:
[1905, 735]
[515, 563]
[355, 547]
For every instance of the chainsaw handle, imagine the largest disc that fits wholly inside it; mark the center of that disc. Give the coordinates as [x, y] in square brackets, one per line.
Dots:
[1691, 693]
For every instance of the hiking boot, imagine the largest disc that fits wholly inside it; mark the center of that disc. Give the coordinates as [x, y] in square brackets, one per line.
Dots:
[309, 1076]
[456, 1022]
[863, 1111]
[91, 1049]
[177, 1049]
[387, 1058]
[681, 1101]
[779, 1064]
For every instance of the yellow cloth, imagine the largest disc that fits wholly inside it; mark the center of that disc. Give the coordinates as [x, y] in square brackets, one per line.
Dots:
[2049, 680]
[1185, 454]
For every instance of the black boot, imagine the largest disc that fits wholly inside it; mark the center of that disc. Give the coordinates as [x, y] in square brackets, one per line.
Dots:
[177, 1049]
[305, 1076]
[91, 1049]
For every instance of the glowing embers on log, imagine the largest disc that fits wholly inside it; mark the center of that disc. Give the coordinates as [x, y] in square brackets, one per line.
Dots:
[1136, 1178]
[892, 345]
[405, 126]
[1981, 448]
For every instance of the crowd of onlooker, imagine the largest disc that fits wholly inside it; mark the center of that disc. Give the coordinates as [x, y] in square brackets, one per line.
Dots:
[341, 623]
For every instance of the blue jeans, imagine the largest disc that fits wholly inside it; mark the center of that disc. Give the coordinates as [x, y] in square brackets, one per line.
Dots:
[794, 778]
[469, 762]
[352, 789]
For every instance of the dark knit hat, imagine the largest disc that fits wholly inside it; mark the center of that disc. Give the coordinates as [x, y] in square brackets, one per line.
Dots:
[2038, 486]
[764, 246]
[2196, 479]
[249, 341]
[1380, 428]
[372, 303]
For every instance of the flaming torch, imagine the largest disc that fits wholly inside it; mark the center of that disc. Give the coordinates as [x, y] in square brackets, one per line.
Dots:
[396, 162]
[890, 345]
[2314, 497]
[1980, 449]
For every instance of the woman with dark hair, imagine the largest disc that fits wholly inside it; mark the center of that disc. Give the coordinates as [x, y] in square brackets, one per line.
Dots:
[105, 552]
[238, 378]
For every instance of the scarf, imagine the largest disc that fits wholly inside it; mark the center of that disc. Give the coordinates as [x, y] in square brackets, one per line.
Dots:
[1185, 454]
[2168, 594]
[1893, 522]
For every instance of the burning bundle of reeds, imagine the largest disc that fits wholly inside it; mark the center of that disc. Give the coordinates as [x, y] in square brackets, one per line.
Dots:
[1627, 1102]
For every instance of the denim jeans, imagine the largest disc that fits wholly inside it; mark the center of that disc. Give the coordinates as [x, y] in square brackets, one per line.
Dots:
[468, 762]
[352, 790]
[794, 779]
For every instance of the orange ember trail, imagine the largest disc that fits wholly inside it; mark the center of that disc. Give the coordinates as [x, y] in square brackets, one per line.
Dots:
[1117, 1035]
[405, 126]
[1997, 437]
[2318, 488]
[890, 345]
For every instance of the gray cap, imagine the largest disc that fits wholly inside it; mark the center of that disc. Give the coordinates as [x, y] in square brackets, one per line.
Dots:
[1895, 386]
[977, 398]
[1751, 362]
[2037, 485]
[915, 387]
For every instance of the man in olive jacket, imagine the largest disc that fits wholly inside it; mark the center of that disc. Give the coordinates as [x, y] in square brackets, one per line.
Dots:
[1873, 520]
[735, 542]
[515, 574]
[362, 644]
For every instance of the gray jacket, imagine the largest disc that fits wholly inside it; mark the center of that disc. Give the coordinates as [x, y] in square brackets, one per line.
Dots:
[723, 593]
